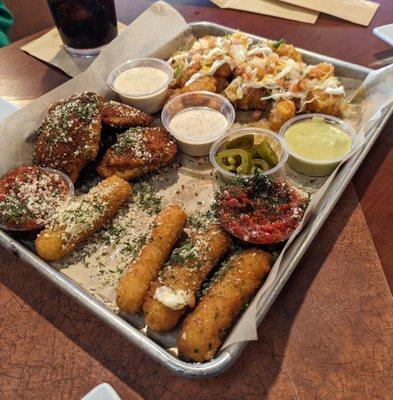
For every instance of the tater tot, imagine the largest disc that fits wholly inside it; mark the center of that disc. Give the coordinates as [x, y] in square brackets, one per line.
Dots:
[135, 282]
[324, 103]
[81, 217]
[175, 288]
[288, 50]
[204, 329]
[251, 99]
[281, 112]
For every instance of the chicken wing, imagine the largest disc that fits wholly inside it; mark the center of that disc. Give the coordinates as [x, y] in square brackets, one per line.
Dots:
[137, 152]
[69, 136]
[119, 115]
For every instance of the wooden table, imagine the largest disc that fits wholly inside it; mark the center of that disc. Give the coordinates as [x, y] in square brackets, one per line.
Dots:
[328, 336]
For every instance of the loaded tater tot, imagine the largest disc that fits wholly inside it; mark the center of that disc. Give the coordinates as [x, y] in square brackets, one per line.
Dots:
[135, 282]
[81, 217]
[282, 111]
[175, 288]
[288, 50]
[203, 330]
[324, 103]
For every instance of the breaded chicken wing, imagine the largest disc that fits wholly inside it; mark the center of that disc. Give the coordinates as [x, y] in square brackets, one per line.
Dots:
[138, 151]
[69, 136]
[119, 115]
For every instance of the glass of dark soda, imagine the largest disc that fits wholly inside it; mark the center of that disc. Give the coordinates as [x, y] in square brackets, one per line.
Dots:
[85, 26]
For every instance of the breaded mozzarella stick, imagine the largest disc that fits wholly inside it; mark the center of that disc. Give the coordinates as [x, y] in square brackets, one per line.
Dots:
[81, 217]
[204, 329]
[143, 270]
[175, 288]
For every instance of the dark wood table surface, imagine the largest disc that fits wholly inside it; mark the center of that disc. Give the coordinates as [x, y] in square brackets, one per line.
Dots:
[329, 334]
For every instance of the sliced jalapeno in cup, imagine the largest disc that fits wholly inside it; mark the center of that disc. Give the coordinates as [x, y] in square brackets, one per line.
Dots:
[258, 163]
[242, 158]
[254, 152]
[241, 142]
[267, 153]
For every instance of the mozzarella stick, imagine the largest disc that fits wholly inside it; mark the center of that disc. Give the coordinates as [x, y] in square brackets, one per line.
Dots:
[204, 329]
[177, 284]
[81, 217]
[134, 284]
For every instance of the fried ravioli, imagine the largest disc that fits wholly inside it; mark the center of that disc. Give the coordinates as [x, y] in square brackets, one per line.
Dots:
[119, 115]
[69, 136]
[137, 152]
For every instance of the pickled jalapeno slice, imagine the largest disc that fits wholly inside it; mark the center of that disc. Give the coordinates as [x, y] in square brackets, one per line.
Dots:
[241, 142]
[258, 163]
[267, 153]
[242, 159]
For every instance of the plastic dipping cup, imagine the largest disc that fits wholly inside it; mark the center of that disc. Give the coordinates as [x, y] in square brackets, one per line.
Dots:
[319, 167]
[260, 134]
[152, 100]
[197, 146]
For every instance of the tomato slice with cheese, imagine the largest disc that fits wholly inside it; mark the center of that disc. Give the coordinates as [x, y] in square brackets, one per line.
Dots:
[28, 197]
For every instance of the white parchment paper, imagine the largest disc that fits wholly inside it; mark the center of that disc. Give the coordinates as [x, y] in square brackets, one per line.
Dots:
[159, 32]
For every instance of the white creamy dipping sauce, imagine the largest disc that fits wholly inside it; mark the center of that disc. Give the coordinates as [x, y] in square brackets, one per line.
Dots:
[140, 80]
[198, 123]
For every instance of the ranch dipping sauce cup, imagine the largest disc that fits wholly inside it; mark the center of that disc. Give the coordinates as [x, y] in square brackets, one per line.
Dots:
[318, 143]
[197, 120]
[142, 83]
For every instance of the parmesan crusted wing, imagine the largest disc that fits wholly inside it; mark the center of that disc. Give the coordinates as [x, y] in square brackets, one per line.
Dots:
[138, 151]
[69, 136]
[119, 115]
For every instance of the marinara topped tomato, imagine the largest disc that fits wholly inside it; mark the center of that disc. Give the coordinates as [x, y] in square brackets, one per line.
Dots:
[29, 195]
[261, 211]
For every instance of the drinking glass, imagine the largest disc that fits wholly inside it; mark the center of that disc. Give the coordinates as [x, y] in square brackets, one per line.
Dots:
[85, 26]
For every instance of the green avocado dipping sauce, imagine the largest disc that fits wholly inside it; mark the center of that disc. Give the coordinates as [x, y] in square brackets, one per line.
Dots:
[317, 140]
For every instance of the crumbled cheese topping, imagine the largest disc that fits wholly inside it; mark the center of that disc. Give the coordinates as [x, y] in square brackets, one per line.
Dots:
[68, 117]
[133, 140]
[81, 213]
[32, 197]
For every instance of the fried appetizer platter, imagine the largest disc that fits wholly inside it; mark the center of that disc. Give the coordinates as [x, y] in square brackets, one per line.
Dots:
[69, 136]
[119, 115]
[134, 284]
[204, 329]
[176, 286]
[81, 217]
[137, 152]
[258, 76]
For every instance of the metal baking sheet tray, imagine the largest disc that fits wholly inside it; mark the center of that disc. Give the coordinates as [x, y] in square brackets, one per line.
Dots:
[225, 358]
